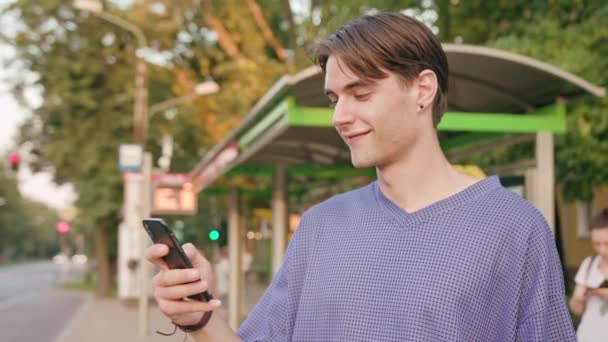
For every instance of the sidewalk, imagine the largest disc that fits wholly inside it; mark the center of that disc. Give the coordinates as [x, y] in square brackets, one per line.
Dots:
[111, 320]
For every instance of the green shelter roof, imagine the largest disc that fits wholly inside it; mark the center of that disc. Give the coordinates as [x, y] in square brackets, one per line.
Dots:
[493, 95]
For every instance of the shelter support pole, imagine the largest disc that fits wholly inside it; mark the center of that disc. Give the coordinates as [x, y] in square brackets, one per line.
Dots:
[544, 182]
[145, 268]
[279, 217]
[234, 252]
[530, 188]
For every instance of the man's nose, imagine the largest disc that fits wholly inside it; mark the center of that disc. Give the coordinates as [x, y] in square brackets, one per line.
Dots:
[343, 114]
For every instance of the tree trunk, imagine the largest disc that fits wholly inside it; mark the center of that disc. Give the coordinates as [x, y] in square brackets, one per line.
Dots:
[266, 31]
[444, 21]
[292, 30]
[224, 39]
[103, 285]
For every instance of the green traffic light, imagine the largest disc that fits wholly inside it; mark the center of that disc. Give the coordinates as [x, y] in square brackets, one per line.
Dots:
[214, 235]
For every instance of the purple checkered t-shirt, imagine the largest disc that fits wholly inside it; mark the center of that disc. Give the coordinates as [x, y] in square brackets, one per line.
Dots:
[478, 266]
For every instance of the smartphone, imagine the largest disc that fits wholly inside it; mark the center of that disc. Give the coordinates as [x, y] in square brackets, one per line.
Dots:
[176, 259]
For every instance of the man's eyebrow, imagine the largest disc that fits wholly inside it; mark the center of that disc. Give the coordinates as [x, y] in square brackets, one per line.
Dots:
[349, 86]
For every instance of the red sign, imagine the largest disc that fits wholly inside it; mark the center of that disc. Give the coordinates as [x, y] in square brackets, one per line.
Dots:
[174, 200]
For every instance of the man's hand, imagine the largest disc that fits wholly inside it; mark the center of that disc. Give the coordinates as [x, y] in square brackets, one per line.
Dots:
[171, 287]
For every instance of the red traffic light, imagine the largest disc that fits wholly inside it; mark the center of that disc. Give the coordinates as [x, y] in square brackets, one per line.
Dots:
[62, 227]
[14, 159]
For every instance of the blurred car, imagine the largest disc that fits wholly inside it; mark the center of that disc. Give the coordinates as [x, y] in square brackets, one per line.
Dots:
[79, 259]
[60, 259]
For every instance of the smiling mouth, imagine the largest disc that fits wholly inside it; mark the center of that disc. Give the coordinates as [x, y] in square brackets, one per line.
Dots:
[354, 137]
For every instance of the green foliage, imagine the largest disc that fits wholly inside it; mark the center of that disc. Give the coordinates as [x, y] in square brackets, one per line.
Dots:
[84, 71]
[572, 35]
[582, 154]
[27, 228]
[576, 39]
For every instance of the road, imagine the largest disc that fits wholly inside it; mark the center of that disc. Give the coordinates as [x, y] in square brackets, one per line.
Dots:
[31, 308]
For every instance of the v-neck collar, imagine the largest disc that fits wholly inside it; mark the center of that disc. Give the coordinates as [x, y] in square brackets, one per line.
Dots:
[407, 219]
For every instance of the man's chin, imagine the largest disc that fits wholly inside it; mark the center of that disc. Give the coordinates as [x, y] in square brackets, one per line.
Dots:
[361, 163]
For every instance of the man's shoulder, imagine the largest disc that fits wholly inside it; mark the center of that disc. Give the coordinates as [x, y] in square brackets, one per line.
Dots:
[518, 207]
[508, 209]
[356, 199]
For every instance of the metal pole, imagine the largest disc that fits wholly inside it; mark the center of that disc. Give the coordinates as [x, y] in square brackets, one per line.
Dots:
[279, 217]
[134, 29]
[144, 266]
[140, 135]
[234, 246]
[545, 182]
[140, 108]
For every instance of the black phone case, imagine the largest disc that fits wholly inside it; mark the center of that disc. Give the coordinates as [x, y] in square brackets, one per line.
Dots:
[159, 232]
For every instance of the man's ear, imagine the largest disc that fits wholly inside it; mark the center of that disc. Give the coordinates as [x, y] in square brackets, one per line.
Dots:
[427, 88]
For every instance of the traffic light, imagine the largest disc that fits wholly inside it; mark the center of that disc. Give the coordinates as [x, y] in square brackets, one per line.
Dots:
[214, 235]
[219, 234]
[14, 159]
[63, 227]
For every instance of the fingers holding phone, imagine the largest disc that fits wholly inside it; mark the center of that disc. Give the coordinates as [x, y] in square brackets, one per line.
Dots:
[155, 255]
[171, 287]
[181, 288]
[200, 263]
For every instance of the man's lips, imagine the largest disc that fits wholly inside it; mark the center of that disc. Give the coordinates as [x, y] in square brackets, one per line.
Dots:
[354, 136]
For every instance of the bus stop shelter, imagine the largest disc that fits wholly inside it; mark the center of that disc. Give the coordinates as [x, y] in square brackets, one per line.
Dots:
[495, 98]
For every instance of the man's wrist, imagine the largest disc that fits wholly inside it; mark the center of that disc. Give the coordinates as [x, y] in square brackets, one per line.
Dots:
[198, 326]
[217, 329]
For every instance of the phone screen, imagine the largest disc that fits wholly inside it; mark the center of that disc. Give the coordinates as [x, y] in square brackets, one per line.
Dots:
[176, 259]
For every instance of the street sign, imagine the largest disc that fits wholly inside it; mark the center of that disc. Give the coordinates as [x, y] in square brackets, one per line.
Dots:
[130, 157]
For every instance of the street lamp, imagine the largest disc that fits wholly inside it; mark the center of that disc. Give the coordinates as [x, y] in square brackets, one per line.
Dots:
[204, 88]
[140, 132]
[140, 108]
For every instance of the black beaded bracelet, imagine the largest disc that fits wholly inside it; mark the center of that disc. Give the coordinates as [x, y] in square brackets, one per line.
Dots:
[194, 327]
[189, 328]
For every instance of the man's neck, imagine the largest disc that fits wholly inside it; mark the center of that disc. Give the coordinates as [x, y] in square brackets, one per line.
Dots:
[422, 177]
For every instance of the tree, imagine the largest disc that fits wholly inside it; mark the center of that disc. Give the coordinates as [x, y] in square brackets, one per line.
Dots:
[81, 65]
[26, 227]
[84, 68]
[571, 35]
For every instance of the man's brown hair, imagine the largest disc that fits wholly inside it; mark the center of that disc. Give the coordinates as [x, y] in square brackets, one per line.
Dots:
[393, 42]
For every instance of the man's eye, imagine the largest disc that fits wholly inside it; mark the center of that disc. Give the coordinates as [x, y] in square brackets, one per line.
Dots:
[362, 97]
[333, 103]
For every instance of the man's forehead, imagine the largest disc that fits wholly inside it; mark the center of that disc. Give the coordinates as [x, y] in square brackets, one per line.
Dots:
[337, 73]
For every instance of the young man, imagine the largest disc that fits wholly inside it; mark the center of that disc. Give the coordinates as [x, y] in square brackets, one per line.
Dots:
[425, 253]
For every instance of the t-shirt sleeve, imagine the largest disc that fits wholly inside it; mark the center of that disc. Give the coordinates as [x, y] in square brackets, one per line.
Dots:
[272, 318]
[583, 272]
[543, 314]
